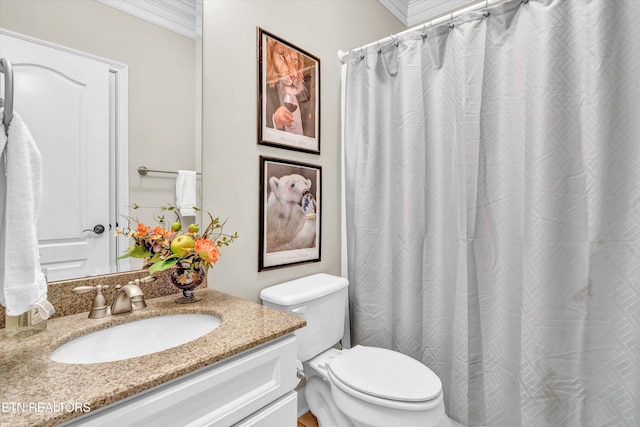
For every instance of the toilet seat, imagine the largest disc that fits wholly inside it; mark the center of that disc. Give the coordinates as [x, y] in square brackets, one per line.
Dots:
[384, 376]
[387, 403]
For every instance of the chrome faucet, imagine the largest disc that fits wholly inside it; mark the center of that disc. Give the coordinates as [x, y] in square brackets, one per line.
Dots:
[130, 297]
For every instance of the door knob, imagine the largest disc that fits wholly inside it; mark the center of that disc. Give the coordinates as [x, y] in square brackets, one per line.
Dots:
[98, 229]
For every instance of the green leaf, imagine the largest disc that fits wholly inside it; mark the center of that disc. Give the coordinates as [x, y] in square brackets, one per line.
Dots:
[162, 265]
[155, 267]
[155, 258]
[139, 252]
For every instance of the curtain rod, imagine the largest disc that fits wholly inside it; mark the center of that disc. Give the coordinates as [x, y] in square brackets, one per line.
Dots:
[481, 4]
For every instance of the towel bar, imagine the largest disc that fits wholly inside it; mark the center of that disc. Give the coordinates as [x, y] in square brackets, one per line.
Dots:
[143, 170]
[7, 69]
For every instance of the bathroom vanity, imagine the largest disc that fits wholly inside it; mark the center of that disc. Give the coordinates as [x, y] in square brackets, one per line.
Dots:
[241, 374]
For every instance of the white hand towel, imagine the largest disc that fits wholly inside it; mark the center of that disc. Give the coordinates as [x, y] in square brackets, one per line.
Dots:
[21, 280]
[186, 192]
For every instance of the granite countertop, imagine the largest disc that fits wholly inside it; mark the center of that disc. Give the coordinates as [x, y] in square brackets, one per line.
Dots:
[35, 391]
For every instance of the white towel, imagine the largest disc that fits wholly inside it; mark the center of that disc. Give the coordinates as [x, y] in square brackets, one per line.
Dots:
[21, 280]
[186, 192]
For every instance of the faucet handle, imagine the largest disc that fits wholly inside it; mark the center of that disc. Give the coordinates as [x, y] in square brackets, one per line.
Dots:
[84, 289]
[99, 307]
[147, 279]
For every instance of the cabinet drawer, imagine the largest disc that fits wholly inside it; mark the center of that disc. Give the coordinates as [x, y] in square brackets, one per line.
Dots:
[281, 413]
[218, 395]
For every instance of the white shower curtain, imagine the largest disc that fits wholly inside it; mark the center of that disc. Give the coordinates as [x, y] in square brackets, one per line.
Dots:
[493, 209]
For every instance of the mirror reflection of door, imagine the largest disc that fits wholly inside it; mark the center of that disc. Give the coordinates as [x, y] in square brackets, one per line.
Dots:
[67, 101]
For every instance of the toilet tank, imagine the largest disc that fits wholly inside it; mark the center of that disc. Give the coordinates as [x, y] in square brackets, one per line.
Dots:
[321, 300]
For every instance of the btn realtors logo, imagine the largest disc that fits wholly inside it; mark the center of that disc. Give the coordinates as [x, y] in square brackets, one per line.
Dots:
[43, 407]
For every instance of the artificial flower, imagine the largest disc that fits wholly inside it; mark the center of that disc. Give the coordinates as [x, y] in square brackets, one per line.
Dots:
[193, 252]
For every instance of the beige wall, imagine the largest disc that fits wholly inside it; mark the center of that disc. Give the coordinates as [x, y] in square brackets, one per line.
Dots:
[162, 104]
[230, 152]
[162, 80]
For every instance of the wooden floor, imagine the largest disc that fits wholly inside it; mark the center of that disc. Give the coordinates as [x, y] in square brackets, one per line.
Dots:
[307, 420]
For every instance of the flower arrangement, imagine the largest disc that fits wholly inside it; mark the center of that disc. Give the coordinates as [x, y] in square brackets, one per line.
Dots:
[166, 245]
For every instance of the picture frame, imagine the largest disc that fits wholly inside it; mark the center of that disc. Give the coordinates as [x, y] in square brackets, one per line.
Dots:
[290, 213]
[288, 103]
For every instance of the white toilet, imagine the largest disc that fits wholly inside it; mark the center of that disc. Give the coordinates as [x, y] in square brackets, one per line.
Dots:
[362, 386]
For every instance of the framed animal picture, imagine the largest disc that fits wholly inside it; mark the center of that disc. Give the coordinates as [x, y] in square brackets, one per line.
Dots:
[288, 95]
[290, 205]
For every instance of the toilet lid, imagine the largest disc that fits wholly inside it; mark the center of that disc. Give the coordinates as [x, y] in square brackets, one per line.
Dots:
[386, 374]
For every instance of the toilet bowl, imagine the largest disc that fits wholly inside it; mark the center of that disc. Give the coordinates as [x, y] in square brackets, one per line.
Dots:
[317, 390]
[319, 397]
[373, 387]
[358, 387]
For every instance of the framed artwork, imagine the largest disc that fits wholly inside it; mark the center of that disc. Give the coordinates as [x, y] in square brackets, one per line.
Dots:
[288, 95]
[290, 205]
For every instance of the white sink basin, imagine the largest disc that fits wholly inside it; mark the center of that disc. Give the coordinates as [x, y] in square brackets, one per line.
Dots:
[135, 339]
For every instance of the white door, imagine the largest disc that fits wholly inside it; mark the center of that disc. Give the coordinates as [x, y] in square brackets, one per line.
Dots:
[63, 99]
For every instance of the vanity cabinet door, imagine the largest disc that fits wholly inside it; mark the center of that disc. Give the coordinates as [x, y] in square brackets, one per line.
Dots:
[218, 395]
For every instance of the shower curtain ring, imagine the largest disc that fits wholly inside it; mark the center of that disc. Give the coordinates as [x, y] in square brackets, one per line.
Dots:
[486, 12]
[451, 25]
[424, 32]
[379, 48]
[395, 42]
[361, 54]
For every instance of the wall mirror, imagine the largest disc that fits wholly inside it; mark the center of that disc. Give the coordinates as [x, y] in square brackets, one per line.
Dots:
[161, 48]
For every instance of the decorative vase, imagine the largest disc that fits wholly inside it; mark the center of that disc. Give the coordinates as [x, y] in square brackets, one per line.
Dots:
[187, 280]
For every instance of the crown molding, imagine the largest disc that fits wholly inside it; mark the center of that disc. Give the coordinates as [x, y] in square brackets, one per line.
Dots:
[181, 16]
[413, 12]
[398, 8]
[185, 16]
[423, 10]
